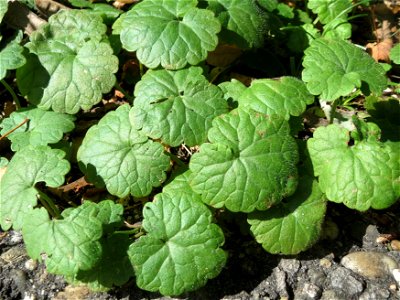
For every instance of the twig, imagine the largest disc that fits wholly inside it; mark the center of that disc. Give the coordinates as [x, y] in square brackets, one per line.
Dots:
[15, 128]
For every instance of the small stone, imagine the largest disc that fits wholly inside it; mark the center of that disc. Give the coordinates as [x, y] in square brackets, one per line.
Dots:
[376, 291]
[333, 295]
[30, 264]
[395, 244]
[396, 275]
[308, 291]
[369, 264]
[280, 278]
[325, 263]
[393, 287]
[15, 237]
[317, 277]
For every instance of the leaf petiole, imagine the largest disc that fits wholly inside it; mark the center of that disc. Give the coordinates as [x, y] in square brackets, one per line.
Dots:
[49, 205]
[13, 94]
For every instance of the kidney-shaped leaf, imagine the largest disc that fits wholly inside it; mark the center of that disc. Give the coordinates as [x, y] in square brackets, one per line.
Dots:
[71, 244]
[333, 68]
[114, 153]
[11, 56]
[29, 166]
[170, 33]
[286, 97]
[365, 175]
[294, 224]
[177, 106]
[42, 128]
[69, 68]
[181, 250]
[243, 22]
[249, 164]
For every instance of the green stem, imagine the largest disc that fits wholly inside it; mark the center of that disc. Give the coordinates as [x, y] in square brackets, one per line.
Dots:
[118, 87]
[50, 204]
[13, 95]
[132, 231]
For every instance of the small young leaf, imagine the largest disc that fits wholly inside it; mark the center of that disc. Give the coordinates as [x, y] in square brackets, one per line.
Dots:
[170, 33]
[181, 250]
[42, 127]
[395, 54]
[333, 68]
[362, 176]
[30, 165]
[294, 224]
[232, 90]
[115, 153]
[71, 244]
[243, 22]
[286, 97]
[177, 106]
[11, 56]
[114, 267]
[249, 164]
[329, 10]
[69, 67]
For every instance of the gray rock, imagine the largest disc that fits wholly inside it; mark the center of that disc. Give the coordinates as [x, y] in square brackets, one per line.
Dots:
[333, 295]
[369, 264]
[375, 291]
[280, 277]
[307, 291]
[15, 237]
[290, 266]
[317, 277]
[19, 279]
[341, 279]
[30, 264]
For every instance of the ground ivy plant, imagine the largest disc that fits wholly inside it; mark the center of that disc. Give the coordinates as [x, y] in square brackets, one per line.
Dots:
[188, 140]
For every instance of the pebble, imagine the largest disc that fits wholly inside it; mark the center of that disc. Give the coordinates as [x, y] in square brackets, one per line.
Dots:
[308, 291]
[325, 263]
[332, 295]
[290, 266]
[280, 277]
[30, 264]
[371, 265]
[396, 275]
[15, 237]
[375, 291]
[395, 244]
[317, 277]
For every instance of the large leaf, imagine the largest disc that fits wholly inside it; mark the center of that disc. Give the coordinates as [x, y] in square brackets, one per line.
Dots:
[181, 250]
[42, 127]
[114, 153]
[69, 67]
[294, 224]
[333, 68]
[71, 244]
[249, 164]
[177, 106]
[243, 22]
[365, 175]
[11, 56]
[286, 97]
[18, 195]
[169, 33]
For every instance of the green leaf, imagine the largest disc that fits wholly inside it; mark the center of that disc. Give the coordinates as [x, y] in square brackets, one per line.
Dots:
[243, 22]
[294, 224]
[11, 56]
[114, 267]
[114, 153]
[286, 97]
[71, 244]
[329, 10]
[250, 162]
[232, 90]
[362, 176]
[3, 8]
[337, 29]
[69, 67]
[28, 166]
[43, 127]
[333, 68]
[169, 33]
[395, 54]
[177, 106]
[181, 250]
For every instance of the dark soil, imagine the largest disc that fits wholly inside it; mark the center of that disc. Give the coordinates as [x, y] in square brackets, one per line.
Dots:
[251, 273]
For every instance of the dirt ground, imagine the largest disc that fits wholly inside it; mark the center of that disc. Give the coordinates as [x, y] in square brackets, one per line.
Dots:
[251, 273]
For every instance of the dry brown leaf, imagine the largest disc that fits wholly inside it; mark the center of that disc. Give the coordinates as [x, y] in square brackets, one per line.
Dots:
[223, 55]
[380, 51]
